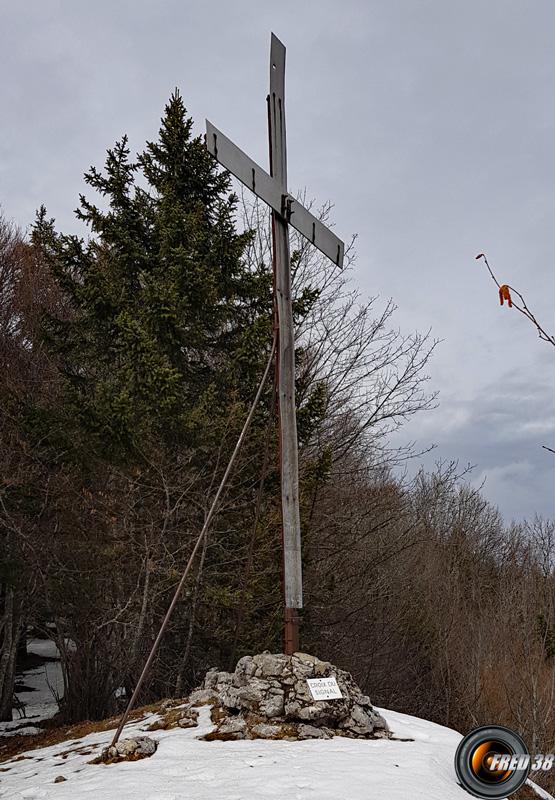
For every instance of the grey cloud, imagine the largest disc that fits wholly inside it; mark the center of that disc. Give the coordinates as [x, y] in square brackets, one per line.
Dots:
[500, 431]
[429, 124]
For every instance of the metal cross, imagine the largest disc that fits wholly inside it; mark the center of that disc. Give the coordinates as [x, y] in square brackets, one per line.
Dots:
[286, 210]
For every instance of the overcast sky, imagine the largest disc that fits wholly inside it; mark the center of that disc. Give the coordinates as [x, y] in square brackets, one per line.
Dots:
[429, 123]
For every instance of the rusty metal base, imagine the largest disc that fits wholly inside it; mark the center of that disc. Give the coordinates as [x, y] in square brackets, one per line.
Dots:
[291, 631]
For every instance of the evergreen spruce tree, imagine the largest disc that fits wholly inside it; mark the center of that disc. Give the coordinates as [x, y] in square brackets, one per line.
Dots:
[159, 346]
[161, 303]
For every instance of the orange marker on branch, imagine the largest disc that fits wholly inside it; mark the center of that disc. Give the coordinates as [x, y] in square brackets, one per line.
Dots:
[505, 294]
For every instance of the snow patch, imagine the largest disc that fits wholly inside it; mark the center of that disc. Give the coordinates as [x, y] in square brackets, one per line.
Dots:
[185, 766]
[43, 685]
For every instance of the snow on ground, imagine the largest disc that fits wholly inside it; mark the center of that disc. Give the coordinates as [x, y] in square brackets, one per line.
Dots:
[43, 684]
[184, 767]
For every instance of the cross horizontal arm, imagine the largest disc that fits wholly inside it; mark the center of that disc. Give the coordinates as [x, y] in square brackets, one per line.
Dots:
[268, 189]
[244, 168]
[315, 231]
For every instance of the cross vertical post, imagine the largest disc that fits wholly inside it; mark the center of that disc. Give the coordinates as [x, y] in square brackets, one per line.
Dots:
[286, 211]
[288, 450]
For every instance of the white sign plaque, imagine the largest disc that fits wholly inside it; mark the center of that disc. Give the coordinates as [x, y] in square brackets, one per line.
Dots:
[324, 688]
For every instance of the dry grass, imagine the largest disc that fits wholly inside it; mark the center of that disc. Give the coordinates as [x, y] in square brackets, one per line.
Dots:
[11, 747]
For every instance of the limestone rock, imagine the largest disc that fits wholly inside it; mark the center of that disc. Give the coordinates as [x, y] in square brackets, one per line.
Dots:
[211, 678]
[202, 697]
[232, 728]
[130, 749]
[264, 731]
[188, 718]
[269, 690]
[269, 665]
[312, 732]
[245, 667]
[272, 704]
[359, 721]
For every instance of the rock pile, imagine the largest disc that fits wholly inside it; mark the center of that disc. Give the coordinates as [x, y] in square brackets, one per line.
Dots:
[268, 697]
[128, 750]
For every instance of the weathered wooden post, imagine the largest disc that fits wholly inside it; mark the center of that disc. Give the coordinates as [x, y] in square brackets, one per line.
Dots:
[286, 210]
